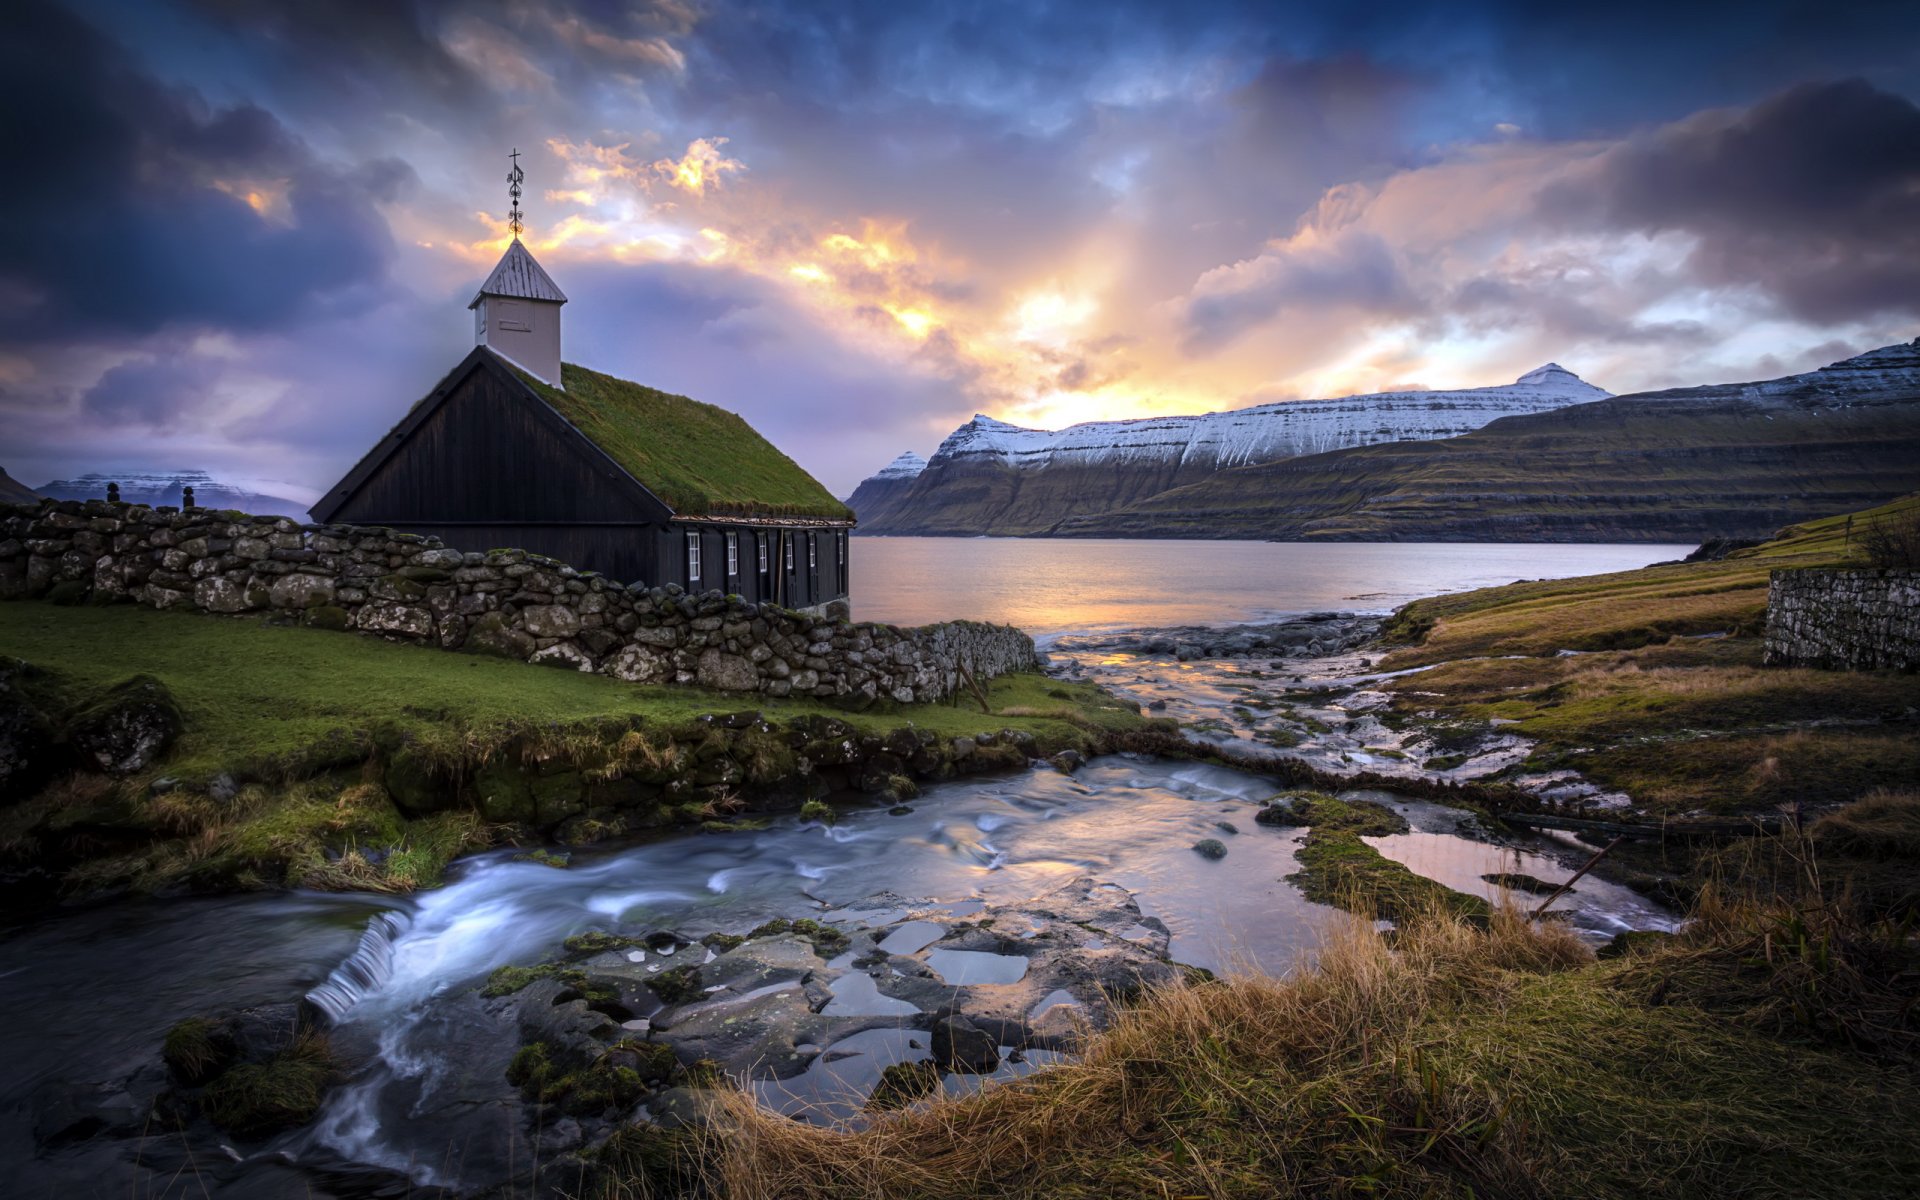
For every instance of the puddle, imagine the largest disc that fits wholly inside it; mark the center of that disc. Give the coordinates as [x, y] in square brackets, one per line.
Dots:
[911, 937]
[855, 994]
[959, 967]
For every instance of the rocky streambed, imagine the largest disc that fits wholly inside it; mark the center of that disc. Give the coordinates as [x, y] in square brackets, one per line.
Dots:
[544, 1022]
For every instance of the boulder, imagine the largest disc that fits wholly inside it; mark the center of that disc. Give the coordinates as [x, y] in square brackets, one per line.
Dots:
[640, 664]
[300, 591]
[962, 1047]
[727, 672]
[130, 727]
[492, 635]
[385, 616]
[550, 620]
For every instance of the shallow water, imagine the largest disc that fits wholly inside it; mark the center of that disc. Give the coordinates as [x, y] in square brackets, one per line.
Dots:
[1055, 585]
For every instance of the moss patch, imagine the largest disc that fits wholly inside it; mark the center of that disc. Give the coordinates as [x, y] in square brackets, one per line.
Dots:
[699, 458]
[257, 1099]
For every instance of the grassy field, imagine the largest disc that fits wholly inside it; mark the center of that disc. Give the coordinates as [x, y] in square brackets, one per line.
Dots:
[261, 698]
[351, 762]
[1654, 707]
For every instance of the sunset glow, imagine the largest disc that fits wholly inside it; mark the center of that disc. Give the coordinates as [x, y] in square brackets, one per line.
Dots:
[860, 251]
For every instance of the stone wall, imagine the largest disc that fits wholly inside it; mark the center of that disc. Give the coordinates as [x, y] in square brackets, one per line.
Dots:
[503, 602]
[1858, 619]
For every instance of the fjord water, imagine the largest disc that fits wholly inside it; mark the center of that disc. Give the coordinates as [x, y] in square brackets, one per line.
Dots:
[1051, 586]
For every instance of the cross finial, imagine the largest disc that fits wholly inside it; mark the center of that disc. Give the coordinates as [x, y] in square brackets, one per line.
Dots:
[514, 178]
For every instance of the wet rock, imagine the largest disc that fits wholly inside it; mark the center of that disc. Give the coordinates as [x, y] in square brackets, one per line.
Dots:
[962, 1047]
[1068, 761]
[1211, 848]
[130, 727]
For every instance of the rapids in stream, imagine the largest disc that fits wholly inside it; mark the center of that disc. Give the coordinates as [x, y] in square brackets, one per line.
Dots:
[398, 976]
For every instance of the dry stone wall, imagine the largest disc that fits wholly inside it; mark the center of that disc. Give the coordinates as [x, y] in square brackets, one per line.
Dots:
[1855, 619]
[503, 602]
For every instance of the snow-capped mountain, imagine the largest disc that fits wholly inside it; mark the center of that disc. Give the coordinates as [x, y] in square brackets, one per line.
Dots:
[881, 492]
[992, 477]
[164, 487]
[1270, 431]
[1736, 460]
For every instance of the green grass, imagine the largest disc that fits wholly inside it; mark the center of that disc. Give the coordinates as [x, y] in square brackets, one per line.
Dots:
[272, 700]
[700, 459]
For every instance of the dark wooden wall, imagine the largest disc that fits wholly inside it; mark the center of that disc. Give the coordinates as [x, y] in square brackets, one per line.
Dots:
[489, 454]
[491, 469]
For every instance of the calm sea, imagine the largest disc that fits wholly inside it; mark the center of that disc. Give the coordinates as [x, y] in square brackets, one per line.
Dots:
[1051, 586]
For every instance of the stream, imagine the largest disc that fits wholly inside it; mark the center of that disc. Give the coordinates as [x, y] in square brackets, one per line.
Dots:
[427, 1098]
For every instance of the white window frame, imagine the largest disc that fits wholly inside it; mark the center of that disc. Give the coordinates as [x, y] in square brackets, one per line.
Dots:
[840, 549]
[788, 541]
[693, 558]
[733, 556]
[813, 552]
[760, 547]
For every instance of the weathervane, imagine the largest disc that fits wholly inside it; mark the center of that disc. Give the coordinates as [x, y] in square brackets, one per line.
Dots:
[514, 178]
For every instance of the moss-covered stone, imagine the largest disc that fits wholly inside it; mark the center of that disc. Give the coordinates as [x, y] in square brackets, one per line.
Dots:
[504, 794]
[678, 985]
[284, 1092]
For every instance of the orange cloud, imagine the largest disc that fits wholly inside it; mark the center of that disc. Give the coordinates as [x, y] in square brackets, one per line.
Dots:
[701, 167]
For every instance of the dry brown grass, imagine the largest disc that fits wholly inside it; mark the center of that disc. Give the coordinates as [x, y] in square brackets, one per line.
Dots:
[1291, 1070]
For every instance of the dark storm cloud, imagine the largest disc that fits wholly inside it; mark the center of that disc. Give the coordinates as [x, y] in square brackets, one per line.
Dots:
[115, 223]
[1813, 196]
[151, 391]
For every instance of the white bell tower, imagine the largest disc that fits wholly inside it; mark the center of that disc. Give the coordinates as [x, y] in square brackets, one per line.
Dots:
[516, 312]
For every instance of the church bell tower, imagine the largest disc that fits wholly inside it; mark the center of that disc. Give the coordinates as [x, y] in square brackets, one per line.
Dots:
[516, 313]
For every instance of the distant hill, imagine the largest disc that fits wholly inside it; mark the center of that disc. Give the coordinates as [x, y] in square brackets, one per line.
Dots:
[12, 491]
[989, 477]
[1732, 460]
[163, 487]
[881, 493]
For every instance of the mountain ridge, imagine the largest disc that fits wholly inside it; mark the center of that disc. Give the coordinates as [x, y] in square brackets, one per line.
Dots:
[1714, 460]
[992, 477]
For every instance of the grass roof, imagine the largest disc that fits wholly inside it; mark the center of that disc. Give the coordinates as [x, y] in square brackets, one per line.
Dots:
[701, 460]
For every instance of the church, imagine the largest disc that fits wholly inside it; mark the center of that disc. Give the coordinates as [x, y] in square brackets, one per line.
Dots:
[517, 449]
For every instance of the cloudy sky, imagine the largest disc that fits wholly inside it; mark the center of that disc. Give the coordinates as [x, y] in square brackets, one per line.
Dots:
[241, 236]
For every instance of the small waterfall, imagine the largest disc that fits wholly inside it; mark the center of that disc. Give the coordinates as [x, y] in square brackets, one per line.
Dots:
[366, 970]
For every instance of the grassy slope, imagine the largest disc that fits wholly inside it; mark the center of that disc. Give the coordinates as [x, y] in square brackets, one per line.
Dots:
[698, 458]
[1677, 722]
[256, 695]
